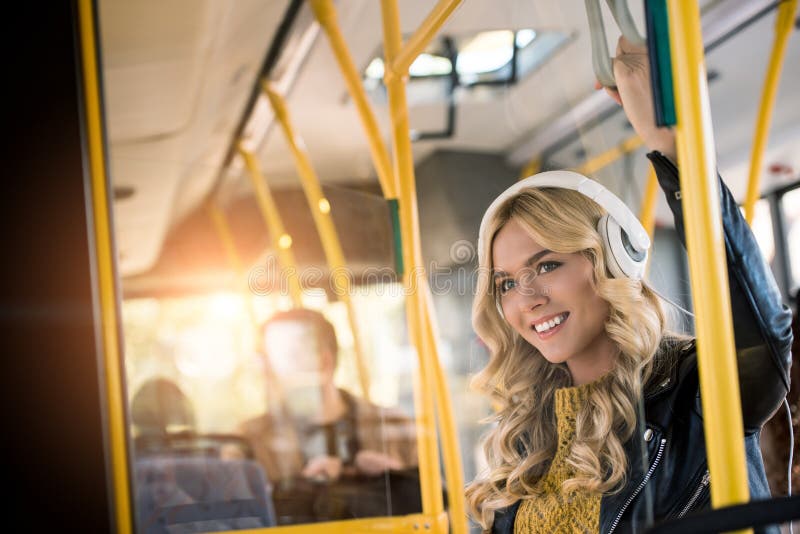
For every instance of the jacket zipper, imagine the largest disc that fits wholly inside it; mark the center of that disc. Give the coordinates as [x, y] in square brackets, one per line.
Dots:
[696, 494]
[641, 486]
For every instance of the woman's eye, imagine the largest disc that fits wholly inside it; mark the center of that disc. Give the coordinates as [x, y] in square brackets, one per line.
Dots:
[504, 286]
[547, 267]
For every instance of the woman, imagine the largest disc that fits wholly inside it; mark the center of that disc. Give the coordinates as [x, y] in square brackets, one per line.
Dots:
[600, 424]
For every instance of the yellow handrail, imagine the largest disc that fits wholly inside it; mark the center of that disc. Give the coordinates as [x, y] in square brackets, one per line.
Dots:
[784, 24]
[117, 446]
[406, 54]
[326, 15]
[430, 477]
[320, 210]
[611, 155]
[719, 381]
[531, 168]
[404, 524]
[281, 241]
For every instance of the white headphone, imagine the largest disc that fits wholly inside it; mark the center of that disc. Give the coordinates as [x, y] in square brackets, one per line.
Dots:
[624, 238]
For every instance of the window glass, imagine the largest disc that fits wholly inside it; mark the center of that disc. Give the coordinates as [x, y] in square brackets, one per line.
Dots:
[790, 205]
[425, 65]
[248, 405]
[538, 49]
[482, 57]
[762, 229]
[221, 412]
[483, 53]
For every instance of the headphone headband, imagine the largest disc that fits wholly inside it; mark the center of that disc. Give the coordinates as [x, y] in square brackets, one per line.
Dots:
[572, 180]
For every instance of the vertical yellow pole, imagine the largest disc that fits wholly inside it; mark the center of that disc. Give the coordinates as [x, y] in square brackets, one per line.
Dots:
[647, 213]
[431, 482]
[326, 15]
[451, 449]
[281, 241]
[320, 210]
[719, 381]
[118, 447]
[783, 29]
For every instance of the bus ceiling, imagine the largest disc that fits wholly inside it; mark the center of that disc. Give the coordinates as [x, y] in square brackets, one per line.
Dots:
[183, 89]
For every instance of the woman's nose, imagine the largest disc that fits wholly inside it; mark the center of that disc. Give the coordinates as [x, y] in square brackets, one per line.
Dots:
[532, 295]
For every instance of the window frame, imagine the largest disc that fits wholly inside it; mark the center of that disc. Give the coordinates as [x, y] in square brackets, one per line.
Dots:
[781, 264]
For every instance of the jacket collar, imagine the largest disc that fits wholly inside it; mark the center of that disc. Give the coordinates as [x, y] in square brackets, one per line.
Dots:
[664, 381]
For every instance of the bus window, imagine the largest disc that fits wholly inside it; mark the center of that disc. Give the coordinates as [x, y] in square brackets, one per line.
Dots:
[762, 229]
[790, 205]
[203, 402]
[245, 378]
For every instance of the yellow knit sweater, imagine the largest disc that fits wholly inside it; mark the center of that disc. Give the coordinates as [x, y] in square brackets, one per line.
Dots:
[553, 511]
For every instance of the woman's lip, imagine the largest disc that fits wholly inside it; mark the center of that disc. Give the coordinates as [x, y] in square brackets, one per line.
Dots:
[553, 331]
[540, 320]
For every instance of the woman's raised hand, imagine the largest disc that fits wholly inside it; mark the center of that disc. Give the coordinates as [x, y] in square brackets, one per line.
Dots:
[632, 74]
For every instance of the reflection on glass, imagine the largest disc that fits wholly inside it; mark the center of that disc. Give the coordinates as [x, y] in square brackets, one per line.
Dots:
[330, 455]
[275, 432]
[200, 494]
[232, 425]
[189, 482]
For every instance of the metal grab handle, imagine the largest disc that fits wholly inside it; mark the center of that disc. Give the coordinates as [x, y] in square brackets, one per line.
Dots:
[601, 60]
[622, 16]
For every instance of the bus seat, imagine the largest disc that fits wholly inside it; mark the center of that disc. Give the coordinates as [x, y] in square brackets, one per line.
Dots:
[200, 494]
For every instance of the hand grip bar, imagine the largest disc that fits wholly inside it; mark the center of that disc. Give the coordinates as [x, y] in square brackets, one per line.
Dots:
[601, 60]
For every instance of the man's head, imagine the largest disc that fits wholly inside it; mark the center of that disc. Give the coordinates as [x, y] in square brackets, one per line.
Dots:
[299, 343]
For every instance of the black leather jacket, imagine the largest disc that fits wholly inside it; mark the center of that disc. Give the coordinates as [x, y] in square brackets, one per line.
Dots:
[672, 480]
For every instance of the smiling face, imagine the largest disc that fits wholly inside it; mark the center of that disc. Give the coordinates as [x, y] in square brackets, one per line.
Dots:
[550, 300]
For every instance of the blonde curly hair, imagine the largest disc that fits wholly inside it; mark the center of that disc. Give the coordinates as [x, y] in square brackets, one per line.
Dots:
[522, 383]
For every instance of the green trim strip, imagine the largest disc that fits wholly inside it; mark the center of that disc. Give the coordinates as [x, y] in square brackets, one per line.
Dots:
[659, 52]
[394, 214]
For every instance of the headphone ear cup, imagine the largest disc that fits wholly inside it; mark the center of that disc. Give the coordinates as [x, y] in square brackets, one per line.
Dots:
[620, 261]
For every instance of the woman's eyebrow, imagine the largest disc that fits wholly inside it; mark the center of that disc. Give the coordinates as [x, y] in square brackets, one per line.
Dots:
[536, 257]
[530, 261]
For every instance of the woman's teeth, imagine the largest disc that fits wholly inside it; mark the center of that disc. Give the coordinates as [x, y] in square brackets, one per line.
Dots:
[547, 325]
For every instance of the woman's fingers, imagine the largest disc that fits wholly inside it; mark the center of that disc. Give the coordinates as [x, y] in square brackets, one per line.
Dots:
[624, 46]
[612, 92]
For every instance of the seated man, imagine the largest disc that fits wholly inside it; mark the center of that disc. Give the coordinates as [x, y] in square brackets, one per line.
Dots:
[327, 452]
